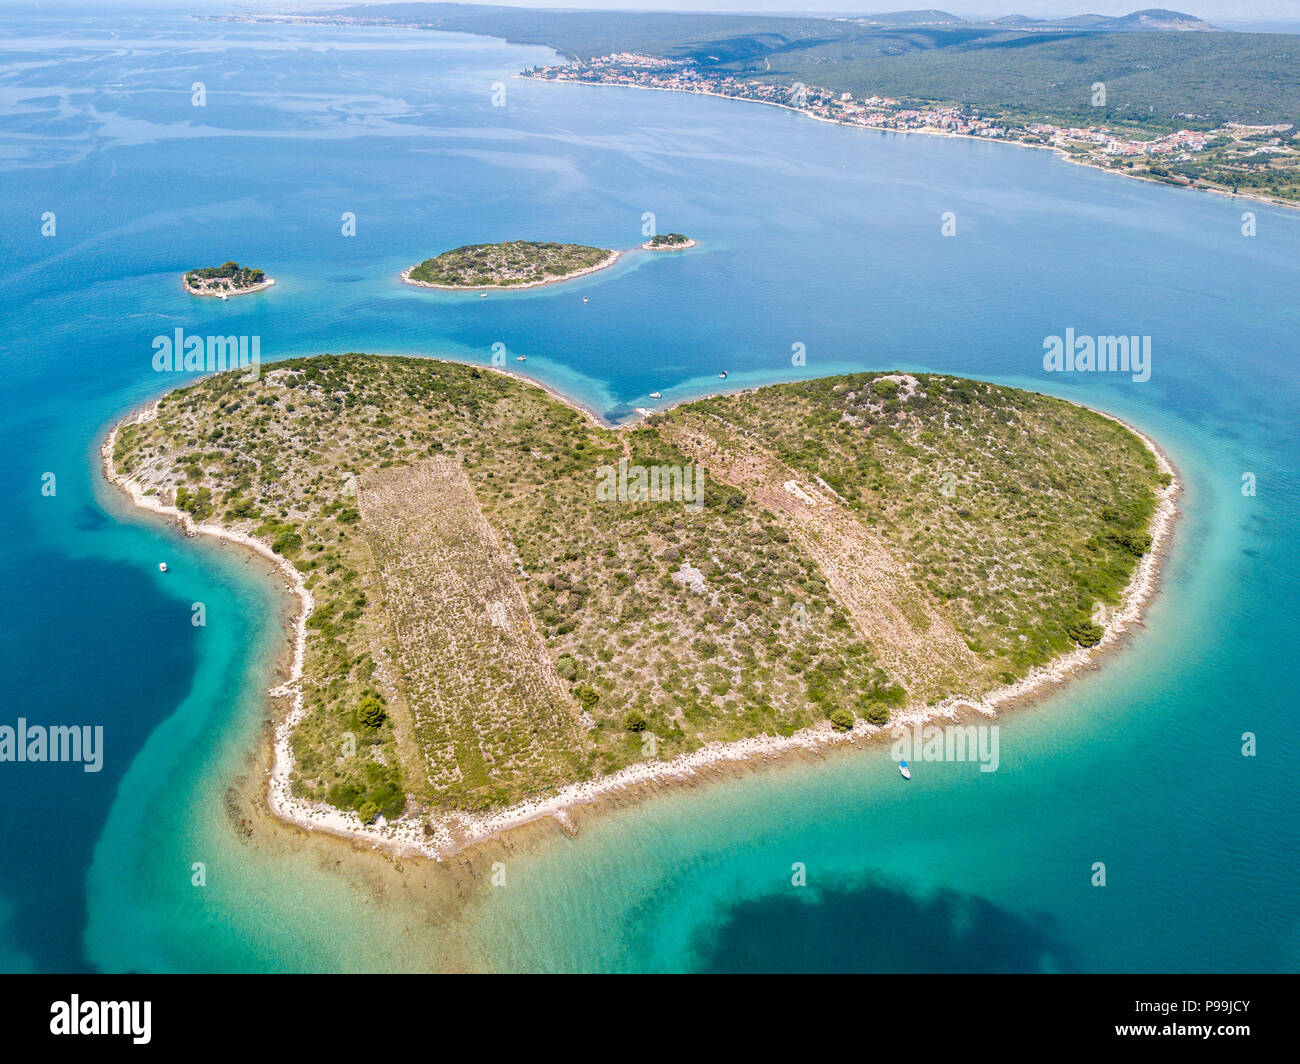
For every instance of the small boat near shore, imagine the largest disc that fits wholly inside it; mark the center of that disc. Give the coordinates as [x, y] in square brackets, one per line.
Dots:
[723, 375]
[162, 567]
[904, 771]
[522, 358]
[656, 395]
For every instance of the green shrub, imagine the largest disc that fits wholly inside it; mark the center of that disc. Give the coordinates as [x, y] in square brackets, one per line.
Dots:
[1085, 633]
[1136, 543]
[634, 720]
[286, 541]
[371, 712]
[368, 812]
[242, 508]
[842, 720]
[886, 695]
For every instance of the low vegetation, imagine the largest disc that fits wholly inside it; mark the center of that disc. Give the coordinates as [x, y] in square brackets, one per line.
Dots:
[487, 627]
[974, 488]
[516, 262]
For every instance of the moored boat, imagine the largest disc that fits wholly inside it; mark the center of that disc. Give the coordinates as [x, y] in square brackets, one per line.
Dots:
[904, 771]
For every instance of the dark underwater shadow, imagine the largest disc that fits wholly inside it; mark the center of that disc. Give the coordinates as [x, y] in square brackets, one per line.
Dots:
[877, 927]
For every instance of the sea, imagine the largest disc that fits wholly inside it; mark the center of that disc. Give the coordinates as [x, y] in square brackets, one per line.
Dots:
[1145, 817]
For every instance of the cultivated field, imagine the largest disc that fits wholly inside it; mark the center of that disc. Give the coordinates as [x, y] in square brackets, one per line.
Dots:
[490, 713]
[913, 636]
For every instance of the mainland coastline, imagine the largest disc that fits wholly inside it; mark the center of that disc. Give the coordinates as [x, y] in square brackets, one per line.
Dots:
[640, 779]
[1066, 142]
[1055, 149]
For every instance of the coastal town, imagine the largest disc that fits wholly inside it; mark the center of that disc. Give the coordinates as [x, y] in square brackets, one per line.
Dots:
[1263, 160]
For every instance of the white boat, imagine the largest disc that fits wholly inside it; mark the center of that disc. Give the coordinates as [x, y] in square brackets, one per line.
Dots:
[584, 299]
[723, 375]
[904, 771]
[162, 567]
[522, 358]
[482, 295]
[656, 395]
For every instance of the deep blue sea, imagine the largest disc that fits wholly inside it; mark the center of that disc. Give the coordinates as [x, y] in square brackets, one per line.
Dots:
[809, 233]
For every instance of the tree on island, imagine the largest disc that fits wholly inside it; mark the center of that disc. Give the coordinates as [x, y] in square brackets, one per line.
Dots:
[239, 276]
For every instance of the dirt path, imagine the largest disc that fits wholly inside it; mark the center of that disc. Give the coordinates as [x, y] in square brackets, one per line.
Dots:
[913, 637]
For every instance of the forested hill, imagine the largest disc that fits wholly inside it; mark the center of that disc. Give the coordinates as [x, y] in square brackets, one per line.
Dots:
[1153, 70]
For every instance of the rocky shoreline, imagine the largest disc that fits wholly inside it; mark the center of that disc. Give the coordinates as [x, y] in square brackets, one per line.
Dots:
[604, 264]
[448, 834]
[225, 293]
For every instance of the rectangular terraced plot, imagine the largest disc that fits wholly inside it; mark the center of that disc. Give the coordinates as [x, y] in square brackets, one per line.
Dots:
[493, 720]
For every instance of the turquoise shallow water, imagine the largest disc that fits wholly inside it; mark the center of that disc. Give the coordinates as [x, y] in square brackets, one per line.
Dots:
[808, 233]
